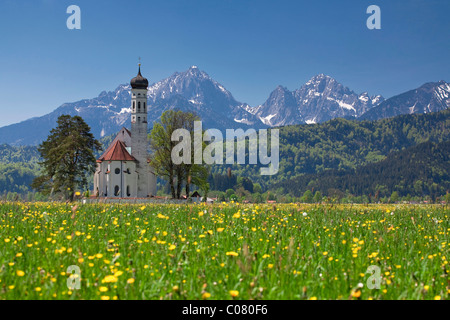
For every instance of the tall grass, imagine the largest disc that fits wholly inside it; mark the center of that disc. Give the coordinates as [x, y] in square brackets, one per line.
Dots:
[291, 251]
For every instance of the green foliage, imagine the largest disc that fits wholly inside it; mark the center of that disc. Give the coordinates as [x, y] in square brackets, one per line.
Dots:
[307, 196]
[422, 170]
[394, 196]
[222, 182]
[18, 167]
[68, 157]
[19, 154]
[17, 177]
[317, 197]
[308, 151]
[162, 146]
[345, 144]
[276, 248]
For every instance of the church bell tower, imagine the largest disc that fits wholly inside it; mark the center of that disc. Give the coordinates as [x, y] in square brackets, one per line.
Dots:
[139, 128]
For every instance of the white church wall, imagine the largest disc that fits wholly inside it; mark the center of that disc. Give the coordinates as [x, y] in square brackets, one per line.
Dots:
[119, 180]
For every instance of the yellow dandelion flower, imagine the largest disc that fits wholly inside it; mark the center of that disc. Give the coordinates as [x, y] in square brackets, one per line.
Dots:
[130, 281]
[234, 293]
[110, 279]
[232, 253]
[356, 293]
[20, 273]
[206, 295]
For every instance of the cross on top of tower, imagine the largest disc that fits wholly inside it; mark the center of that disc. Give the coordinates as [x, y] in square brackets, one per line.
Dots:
[139, 82]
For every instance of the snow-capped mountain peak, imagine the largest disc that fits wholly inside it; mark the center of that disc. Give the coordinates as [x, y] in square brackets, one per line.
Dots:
[320, 99]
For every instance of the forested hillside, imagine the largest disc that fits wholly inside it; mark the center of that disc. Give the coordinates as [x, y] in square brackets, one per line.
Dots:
[18, 167]
[422, 170]
[346, 144]
[338, 144]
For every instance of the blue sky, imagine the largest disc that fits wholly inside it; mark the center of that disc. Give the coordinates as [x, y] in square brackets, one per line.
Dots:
[248, 46]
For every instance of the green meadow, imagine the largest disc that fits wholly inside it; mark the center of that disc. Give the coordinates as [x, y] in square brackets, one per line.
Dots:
[223, 251]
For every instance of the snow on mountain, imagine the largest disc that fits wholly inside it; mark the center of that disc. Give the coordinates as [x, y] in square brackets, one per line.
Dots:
[430, 97]
[192, 90]
[320, 99]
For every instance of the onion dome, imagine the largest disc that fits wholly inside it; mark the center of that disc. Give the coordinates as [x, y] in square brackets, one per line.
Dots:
[139, 82]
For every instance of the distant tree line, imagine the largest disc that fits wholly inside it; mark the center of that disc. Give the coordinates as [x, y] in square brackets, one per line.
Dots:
[419, 171]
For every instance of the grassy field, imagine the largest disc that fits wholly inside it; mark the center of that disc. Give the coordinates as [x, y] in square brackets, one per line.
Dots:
[223, 251]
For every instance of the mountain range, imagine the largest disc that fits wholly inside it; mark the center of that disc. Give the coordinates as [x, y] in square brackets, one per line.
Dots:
[320, 99]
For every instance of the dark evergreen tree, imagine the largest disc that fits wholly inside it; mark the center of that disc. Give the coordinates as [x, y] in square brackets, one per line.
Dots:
[68, 157]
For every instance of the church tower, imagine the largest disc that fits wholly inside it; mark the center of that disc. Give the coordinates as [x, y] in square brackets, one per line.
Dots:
[139, 128]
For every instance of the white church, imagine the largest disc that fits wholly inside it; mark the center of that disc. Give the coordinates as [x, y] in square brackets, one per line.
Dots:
[123, 171]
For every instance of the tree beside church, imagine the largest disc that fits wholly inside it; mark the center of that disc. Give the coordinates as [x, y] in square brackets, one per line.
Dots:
[68, 157]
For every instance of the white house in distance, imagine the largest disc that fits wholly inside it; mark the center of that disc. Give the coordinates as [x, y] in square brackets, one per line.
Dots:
[123, 171]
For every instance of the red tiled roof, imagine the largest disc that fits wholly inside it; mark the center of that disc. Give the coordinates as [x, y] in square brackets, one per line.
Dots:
[117, 152]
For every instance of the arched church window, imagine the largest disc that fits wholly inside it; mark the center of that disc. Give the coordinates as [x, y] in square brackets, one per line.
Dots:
[128, 191]
[139, 106]
[134, 105]
[116, 190]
